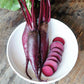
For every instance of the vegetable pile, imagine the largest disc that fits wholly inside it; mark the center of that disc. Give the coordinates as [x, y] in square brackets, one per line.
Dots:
[36, 41]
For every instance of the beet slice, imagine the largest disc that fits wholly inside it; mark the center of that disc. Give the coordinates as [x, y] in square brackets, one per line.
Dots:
[57, 50]
[52, 64]
[59, 39]
[54, 54]
[47, 71]
[53, 59]
[57, 45]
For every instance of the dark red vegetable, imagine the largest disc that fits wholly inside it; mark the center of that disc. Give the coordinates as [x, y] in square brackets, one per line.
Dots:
[30, 39]
[58, 45]
[35, 38]
[44, 18]
[47, 70]
[54, 56]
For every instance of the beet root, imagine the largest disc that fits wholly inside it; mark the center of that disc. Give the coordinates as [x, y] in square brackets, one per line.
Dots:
[59, 39]
[54, 54]
[25, 46]
[47, 70]
[52, 64]
[35, 38]
[44, 41]
[57, 45]
[57, 50]
[33, 50]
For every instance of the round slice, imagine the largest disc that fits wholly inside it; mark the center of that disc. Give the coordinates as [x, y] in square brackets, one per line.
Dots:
[54, 54]
[59, 39]
[47, 71]
[52, 64]
[57, 45]
[57, 50]
[53, 59]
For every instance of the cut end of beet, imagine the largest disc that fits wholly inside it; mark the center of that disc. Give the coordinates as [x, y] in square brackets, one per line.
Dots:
[59, 39]
[47, 71]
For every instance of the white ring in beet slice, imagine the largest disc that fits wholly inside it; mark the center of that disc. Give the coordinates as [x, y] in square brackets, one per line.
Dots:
[57, 45]
[59, 39]
[57, 50]
[47, 70]
[52, 64]
[53, 59]
[54, 54]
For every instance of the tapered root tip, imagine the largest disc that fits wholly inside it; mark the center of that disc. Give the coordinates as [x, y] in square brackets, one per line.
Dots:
[28, 74]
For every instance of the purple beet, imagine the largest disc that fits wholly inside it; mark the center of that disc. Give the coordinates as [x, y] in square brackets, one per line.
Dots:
[33, 50]
[57, 50]
[57, 45]
[54, 54]
[35, 38]
[53, 59]
[52, 64]
[47, 71]
[59, 39]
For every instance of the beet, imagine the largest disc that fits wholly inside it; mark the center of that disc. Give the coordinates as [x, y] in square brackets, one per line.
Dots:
[25, 46]
[47, 71]
[59, 39]
[57, 45]
[53, 59]
[44, 41]
[57, 50]
[35, 38]
[52, 64]
[54, 54]
[33, 50]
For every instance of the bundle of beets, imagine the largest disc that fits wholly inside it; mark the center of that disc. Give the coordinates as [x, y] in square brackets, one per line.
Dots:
[35, 39]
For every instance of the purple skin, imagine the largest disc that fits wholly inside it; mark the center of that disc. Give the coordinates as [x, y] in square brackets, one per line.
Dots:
[30, 37]
[44, 18]
[35, 38]
[25, 46]
[44, 41]
[33, 48]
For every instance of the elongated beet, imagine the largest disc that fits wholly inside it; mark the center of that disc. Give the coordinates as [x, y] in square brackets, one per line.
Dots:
[33, 50]
[44, 18]
[35, 37]
[25, 46]
[44, 41]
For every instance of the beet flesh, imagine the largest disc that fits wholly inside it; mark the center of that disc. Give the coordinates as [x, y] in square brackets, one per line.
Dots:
[57, 45]
[60, 39]
[57, 50]
[52, 64]
[47, 71]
